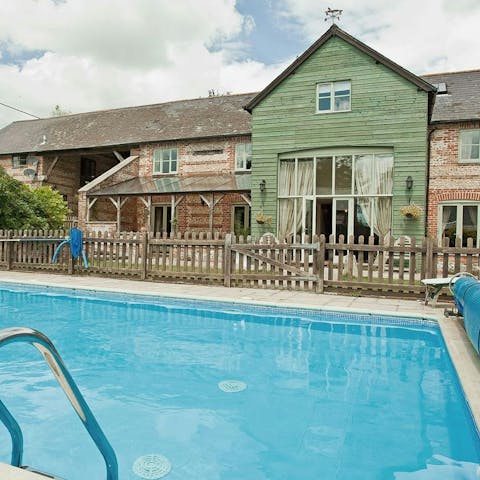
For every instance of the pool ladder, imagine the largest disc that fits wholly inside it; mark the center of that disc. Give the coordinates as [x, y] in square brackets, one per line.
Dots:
[55, 362]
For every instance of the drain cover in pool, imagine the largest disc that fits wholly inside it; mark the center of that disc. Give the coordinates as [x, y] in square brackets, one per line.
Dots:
[151, 466]
[232, 386]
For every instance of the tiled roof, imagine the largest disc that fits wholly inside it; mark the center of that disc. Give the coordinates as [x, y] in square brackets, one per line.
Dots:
[183, 119]
[197, 118]
[462, 100]
[240, 182]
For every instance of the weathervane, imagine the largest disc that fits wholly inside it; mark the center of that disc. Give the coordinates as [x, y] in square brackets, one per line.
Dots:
[332, 14]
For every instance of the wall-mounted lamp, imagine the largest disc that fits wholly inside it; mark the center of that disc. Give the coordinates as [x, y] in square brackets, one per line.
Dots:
[263, 185]
[409, 182]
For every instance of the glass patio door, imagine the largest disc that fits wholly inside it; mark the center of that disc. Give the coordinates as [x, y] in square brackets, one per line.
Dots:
[307, 218]
[342, 218]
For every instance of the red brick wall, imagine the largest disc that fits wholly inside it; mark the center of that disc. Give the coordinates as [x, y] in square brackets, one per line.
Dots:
[17, 173]
[449, 179]
[193, 156]
[192, 215]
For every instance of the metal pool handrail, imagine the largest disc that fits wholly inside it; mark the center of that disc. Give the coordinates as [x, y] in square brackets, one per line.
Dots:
[55, 362]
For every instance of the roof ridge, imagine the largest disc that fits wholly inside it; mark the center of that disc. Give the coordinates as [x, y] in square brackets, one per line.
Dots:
[134, 106]
[450, 73]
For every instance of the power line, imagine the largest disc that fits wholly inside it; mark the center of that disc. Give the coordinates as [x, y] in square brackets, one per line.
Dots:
[18, 110]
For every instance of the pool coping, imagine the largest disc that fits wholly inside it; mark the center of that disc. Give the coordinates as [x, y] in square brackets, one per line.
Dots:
[465, 359]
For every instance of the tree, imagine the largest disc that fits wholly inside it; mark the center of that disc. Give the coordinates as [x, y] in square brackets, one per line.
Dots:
[22, 207]
[50, 206]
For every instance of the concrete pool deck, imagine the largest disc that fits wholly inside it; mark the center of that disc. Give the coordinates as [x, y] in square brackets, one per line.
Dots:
[465, 359]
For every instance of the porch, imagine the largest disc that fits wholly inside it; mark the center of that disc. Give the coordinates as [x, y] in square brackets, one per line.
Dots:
[165, 205]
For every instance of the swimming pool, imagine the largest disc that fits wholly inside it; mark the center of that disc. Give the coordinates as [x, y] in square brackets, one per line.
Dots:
[328, 395]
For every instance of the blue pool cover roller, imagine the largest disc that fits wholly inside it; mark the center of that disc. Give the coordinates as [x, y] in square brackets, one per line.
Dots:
[466, 292]
[75, 241]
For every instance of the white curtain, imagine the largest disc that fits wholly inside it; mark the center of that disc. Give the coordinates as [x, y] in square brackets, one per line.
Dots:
[364, 178]
[286, 188]
[304, 187]
[374, 176]
[382, 212]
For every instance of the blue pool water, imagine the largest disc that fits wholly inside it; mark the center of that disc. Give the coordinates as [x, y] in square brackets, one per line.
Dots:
[328, 395]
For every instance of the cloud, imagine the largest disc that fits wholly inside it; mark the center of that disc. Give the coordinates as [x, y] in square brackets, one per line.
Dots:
[92, 54]
[118, 32]
[424, 37]
[96, 54]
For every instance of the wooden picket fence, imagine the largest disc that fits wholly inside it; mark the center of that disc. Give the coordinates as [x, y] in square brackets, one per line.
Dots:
[318, 264]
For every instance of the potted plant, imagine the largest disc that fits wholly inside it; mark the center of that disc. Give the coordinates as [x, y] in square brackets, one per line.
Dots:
[411, 210]
[261, 218]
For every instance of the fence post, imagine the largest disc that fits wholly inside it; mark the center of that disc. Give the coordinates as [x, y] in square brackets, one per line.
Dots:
[71, 265]
[429, 258]
[8, 250]
[144, 254]
[321, 264]
[227, 260]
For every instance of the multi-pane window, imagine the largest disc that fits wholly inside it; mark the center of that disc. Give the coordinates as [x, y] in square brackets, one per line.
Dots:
[165, 160]
[334, 97]
[243, 156]
[328, 193]
[19, 161]
[460, 221]
[470, 145]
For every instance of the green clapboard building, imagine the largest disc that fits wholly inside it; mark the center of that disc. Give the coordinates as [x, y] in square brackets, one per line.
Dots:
[340, 144]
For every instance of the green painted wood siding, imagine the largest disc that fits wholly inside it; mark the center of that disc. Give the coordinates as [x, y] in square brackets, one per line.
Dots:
[386, 111]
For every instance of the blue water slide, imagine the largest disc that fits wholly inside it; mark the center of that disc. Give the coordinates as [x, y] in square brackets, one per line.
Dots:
[466, 292]
[75, 242]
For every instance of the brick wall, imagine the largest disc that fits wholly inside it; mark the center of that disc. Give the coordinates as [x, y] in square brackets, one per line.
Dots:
[449, 179]
[17, 173]
[197, 156]
[64, 177]
[193, 215]
[104, 210]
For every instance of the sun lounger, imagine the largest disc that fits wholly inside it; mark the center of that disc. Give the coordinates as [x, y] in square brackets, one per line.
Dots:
[434, 287]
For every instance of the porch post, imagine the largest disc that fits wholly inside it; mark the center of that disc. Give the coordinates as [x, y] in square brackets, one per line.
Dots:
[148, 206]
[212, 207]
[173, 207]
[90, 204]
[119, 206]
[149, 213]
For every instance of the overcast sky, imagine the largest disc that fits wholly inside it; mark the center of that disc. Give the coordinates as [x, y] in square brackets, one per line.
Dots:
[93, 54]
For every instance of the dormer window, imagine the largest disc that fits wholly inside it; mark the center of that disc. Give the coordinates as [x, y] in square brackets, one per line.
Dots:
[334, 97]
[441, 88]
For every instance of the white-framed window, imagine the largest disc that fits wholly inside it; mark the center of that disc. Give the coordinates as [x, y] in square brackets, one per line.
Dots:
[334, 97]
[165, 160]
[459, 220]
[330, 193]
[243, 156]
[469, 145]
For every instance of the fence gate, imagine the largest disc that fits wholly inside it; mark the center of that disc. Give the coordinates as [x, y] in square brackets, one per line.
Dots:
[272, 265]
